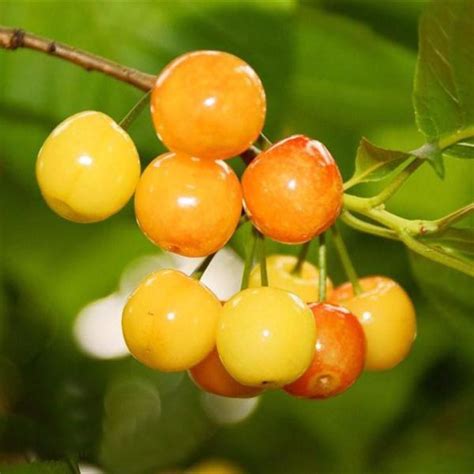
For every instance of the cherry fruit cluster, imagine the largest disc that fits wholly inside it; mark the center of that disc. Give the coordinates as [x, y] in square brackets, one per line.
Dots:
[207, 107]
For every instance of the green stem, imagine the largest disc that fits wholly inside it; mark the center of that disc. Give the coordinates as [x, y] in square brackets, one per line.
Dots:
[249, 154]
[200, 270]
[135, 111]
[263, 260]
[263, 142]
[346, 260]
[301, 258]
[396, 223]
[437, 255]
[322, 268]
[249, 258]
[446, 221]
[367, 227]
[453, 138]
[395, 184]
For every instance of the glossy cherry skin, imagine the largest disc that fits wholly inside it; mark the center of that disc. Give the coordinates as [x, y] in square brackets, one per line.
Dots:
[188, 205]
[305, 284]
[210, 375]
[169, 321]
[266, 337]
[339, 354]
[293, 191]
[387, 316]
[208, 104]
[88, 168]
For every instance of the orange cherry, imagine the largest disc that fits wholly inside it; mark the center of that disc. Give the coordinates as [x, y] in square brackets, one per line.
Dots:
[293, 191]
[208, 104]
[387, 316]
[187, 205]
[339, 354]
[210, 375]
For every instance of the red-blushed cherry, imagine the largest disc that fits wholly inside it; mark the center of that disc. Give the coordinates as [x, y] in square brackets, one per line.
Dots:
[293, 191]
[339, 354]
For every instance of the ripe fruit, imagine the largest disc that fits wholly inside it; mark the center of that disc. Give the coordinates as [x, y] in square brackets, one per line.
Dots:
[210, 375]
[88, 168]
[266, 337]
[302, 192]
[188, 205]
[280, 267]
[169, 322]
[387, 316]
[208, 104]
[339, 354]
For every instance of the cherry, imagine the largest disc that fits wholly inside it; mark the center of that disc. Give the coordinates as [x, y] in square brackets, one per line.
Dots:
[339, 354]
[293, 191]
[387, 316]
[169, 322]
[305, 284]
[188, 205]
[266, 337]
[208, 104]
[88, 168]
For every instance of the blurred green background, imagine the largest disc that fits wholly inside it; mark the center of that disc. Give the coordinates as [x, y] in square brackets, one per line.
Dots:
[335, 70]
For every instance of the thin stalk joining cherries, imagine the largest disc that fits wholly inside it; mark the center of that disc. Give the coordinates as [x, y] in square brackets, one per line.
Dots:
[346, 260]
[249, 259]
[200, 270]
[322, 267]
[301, 258]
[135, 111]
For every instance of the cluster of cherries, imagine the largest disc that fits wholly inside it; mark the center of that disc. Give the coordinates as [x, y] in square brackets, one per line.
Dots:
[207, 107]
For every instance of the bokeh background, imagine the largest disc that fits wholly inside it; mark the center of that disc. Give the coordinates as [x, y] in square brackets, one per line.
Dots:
[335, 70]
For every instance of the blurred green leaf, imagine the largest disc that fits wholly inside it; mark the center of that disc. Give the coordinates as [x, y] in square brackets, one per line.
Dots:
[46, 467]
[463, 149]
[374, 163]
[444, 81]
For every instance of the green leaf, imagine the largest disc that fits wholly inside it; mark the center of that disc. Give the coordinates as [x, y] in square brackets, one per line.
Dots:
[444, 80]
[48, 467]
[374, 163]
[463, 149]
[454, 240]
[441, 254]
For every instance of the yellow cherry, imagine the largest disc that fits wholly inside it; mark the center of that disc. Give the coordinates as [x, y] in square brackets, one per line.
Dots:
[305, 283]
[266, 337]
[387, 316]
[88, 168]
[169, 322]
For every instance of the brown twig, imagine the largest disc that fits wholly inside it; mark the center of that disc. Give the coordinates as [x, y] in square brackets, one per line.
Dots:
[14, 38]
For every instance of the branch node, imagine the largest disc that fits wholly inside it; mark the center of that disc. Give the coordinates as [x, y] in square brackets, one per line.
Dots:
[17, 39]
[52, 47]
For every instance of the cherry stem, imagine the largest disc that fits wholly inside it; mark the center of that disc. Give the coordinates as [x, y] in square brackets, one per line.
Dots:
[301, 258]
[249, 154]
[263, 259]
[322, 267]
[201, 269]
[249, 258]
[135, 111]
[395, 184]
[346, 260]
